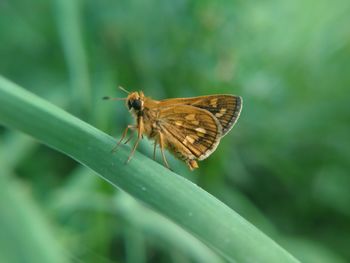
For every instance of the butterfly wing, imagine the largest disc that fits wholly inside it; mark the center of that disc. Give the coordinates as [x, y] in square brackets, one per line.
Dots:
[190, 132]
[226, 108]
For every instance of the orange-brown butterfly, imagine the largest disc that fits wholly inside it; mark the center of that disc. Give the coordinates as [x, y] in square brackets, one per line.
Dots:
[190, 128]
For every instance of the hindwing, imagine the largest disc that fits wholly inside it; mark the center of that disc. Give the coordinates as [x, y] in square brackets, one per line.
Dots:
[193, 132]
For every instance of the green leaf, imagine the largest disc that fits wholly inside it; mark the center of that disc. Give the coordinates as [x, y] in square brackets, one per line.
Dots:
[169, 234]
[175, 197]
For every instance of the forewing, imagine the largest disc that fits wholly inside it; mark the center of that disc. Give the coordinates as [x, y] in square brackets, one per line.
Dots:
[194, 129]
[226, 108]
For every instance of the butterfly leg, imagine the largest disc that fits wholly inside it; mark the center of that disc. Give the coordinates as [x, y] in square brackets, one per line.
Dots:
[155, 148]
[139, 137]
[130, 137]
[123, 136]
[161, 146]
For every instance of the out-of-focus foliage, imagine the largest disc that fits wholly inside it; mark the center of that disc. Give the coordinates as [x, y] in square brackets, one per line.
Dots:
[285, 167]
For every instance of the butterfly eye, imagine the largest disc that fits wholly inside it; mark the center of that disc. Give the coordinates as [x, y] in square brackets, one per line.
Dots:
[136, 104]
[129, 104]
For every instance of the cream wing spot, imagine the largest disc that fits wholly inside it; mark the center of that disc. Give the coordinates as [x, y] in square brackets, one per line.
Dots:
[188, 139]
[190, 117]
[201, 130]
[178, 123]
[214, 102]
[221, 113]
[195, 122]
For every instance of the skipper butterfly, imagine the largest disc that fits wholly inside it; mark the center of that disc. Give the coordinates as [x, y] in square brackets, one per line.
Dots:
[190, 128]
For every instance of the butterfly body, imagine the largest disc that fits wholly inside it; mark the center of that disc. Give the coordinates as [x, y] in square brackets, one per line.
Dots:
[190, 128]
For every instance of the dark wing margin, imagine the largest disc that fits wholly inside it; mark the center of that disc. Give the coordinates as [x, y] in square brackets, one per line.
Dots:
[226, 108]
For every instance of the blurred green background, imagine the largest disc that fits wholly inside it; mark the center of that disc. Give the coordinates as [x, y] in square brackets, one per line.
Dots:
[284, 167]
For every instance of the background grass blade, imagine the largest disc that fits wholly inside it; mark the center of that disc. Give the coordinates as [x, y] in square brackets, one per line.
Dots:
[68, 21]
[177, 198]
[26, 236]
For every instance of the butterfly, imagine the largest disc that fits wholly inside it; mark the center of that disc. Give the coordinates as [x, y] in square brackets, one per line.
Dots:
[190, 128]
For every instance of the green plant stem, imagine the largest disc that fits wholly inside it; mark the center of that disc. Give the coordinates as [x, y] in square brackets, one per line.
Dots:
[173, 196]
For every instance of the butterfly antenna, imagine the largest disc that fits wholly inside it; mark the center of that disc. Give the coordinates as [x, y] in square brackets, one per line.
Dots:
[120, 87]
[109, 98]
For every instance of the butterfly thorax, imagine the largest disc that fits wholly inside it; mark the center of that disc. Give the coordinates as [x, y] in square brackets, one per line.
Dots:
[151, 122]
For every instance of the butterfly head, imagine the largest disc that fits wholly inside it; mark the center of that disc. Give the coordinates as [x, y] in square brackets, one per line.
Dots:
[135, 101]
